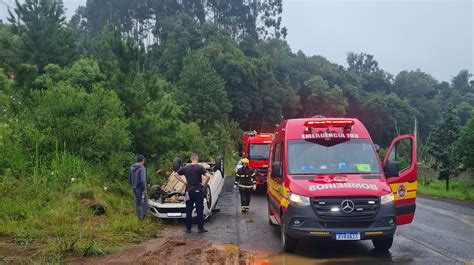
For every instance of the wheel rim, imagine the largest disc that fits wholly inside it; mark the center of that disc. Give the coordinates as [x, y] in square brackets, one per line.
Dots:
[208, 198]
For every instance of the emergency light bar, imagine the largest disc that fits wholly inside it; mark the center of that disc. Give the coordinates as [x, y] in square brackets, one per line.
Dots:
[250, 133]
[265, 135]
[327, 123]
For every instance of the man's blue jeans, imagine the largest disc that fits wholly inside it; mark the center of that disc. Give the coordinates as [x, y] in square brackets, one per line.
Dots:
[195, 197]
[141, 203]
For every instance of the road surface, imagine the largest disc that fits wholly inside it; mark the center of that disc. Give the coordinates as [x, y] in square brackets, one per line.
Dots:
[441, 233]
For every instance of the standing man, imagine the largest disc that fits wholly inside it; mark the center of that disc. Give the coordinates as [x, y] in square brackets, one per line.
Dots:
[195, 186]
[245, 180]
[137, 179]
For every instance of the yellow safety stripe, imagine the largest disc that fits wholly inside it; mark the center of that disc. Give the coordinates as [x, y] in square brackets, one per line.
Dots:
[411, 190]
[279, 192]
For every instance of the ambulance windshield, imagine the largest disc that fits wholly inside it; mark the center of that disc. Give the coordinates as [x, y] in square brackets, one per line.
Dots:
[349, 156]
[259, 151]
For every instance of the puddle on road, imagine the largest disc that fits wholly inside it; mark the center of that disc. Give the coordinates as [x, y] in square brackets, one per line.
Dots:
[260, 258]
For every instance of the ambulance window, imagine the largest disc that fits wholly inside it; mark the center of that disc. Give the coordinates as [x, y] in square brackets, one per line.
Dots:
[276, 153]
[401, 152]
[318, 156]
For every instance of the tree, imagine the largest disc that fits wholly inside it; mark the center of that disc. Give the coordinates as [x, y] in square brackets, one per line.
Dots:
[420, 90]
[201, 92]
[324, 100]
[177, 34]
[9, 49]
[464, 145]
[461, 82]
[440, 145]
[45, 37]
[362, 63]
[386, 116]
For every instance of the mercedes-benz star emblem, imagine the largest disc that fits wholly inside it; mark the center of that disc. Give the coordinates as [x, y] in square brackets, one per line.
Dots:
[347, 206]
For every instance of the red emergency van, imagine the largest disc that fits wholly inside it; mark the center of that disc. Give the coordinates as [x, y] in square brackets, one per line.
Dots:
[327, 182]
[256, 146]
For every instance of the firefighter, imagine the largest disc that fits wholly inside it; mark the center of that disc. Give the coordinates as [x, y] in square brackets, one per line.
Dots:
[245, 180]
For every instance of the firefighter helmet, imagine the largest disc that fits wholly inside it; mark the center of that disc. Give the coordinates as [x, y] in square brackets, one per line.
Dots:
[245, 160]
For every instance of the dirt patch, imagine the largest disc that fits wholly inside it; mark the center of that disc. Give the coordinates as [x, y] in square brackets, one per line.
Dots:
[11, 253]
[174, 250]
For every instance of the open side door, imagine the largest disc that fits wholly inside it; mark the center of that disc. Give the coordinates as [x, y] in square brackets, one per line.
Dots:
[401, 171]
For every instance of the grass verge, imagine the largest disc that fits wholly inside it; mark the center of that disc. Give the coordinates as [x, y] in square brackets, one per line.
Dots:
[52, 220]
[459, 188]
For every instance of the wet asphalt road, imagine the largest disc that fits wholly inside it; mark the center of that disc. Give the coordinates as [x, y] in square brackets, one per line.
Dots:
[442, 233]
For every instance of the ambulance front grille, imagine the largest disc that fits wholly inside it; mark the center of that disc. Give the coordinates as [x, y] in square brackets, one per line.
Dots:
[331, 207]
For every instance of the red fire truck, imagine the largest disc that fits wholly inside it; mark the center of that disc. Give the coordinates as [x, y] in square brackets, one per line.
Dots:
[256, 146]
[327, 182]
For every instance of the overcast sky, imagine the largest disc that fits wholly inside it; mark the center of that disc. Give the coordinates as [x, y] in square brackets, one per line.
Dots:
[433, 35]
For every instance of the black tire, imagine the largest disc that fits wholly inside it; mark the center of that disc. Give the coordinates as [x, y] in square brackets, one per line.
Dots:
[288, 244]
[208, 197]
[382, 245]
[155, 192]
[176, 164]
[219, 165]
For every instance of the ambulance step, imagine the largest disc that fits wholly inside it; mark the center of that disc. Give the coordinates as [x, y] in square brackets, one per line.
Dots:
[273, 220]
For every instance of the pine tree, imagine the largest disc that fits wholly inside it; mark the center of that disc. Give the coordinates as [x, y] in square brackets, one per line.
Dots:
[201, 91]
[43, 31]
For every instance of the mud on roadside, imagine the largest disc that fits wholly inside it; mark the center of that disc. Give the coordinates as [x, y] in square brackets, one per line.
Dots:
[174, 250]
[11, 252]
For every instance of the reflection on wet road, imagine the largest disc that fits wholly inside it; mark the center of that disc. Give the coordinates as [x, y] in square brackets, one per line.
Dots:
[442, 233]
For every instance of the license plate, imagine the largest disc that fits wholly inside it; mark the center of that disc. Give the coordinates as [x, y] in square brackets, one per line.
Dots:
[347, 236]
[173, 214]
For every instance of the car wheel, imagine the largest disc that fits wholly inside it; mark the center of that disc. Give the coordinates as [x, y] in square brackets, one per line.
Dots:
[288, 244]
[219, 165]
[176, 164]
[382, 244]
[154, 192]
[208, 198]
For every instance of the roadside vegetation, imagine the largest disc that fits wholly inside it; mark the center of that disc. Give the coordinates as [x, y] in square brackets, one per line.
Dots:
[460, 188]
[80, 99]
[51, 220]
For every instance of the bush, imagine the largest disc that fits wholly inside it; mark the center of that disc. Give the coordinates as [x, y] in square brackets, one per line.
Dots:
[65, 119]
[13, 160]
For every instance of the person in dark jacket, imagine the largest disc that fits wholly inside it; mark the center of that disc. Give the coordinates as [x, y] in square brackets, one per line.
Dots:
[195, 187]
[137, 179]
[245, 180]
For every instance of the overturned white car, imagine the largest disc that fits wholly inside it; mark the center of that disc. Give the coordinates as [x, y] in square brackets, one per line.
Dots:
[168, 202]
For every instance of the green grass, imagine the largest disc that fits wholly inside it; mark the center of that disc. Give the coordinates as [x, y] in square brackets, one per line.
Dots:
[48, 215]
[459, 188]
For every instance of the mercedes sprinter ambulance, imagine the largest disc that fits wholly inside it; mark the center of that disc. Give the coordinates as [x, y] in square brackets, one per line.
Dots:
[326, 182]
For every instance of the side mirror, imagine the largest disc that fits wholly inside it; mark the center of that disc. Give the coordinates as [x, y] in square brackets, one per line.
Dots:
[240, 150]
[391, 169]
[276, 171]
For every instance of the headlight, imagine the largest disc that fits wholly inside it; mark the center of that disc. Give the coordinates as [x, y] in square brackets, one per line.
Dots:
[298, 199]
[386, 198]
